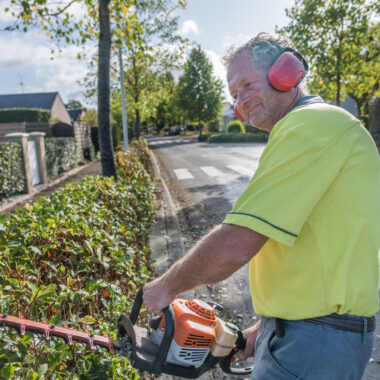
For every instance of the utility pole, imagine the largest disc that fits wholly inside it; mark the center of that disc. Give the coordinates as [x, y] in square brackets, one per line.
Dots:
[123, 105]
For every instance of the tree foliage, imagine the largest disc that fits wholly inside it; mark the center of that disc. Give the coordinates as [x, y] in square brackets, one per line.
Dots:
[127, 22]
[340, 39]
[157, 48]
[199, 93]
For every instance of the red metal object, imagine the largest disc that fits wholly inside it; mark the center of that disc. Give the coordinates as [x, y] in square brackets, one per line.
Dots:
[64, 332]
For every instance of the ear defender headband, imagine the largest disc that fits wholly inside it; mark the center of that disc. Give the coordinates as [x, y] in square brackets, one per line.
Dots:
[285, 73]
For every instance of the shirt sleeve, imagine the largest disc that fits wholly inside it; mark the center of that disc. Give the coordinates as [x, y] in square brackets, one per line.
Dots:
[294, 172]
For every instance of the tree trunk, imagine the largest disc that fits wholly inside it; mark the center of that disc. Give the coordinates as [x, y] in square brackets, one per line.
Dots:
[104, 124]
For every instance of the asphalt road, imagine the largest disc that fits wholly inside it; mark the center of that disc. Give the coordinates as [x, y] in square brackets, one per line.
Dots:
[204, 181]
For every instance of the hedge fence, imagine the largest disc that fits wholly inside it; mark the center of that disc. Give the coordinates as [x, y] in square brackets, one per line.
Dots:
[60, 155]
[16, 115]
[261, 136]
[77, 257]
[12, 173]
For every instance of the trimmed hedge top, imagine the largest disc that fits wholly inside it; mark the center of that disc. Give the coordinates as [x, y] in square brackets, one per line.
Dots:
[17, 115]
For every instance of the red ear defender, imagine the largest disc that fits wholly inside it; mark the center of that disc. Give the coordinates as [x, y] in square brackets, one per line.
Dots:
[287, 70]
[237, 113]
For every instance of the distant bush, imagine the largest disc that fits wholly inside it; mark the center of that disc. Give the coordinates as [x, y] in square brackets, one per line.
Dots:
[239, 137]
[250, 128]
[18, 115]
[60, 155]
[204, 136]
[235, 126]
[214, 126]
[12, 173]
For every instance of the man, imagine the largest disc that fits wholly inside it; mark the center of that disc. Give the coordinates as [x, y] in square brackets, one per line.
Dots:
[308, 224]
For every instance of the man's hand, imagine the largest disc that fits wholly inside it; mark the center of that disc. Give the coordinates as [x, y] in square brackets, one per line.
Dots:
[156, 295]
[251, 335]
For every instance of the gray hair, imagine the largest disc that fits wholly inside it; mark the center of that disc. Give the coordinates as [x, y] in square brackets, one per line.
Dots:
[263, 50]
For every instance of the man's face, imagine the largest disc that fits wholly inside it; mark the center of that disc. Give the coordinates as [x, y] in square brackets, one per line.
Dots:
[257, 101]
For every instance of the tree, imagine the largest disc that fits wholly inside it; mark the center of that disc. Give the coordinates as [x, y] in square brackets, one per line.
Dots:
[340, 40]
[157, 48]
[199, 93]
[73, 104]
[167, 112]
[90, 117]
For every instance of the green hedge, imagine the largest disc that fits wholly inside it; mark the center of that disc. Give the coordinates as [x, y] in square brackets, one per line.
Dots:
[235, 126]
[78, 256]
[12, 173]
[261, 136]
[14, 115]
[61, 155]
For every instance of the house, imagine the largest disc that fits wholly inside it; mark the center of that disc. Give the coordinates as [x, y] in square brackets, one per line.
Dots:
[75, 115]
[228, 114]
[45, 100]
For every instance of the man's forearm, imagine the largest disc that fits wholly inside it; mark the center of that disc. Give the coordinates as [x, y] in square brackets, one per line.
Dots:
[214, 258]
[218, 255]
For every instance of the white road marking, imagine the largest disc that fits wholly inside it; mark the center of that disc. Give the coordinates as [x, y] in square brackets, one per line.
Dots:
[183, 174]
[241, 170]
[211, 171]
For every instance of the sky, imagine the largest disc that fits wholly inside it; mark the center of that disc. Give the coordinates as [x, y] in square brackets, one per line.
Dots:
[26, 64]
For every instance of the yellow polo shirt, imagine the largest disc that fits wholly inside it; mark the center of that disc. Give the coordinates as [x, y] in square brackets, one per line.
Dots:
[316, 196]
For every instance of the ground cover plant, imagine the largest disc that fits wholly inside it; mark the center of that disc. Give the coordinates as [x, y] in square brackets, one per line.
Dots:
[77, 257]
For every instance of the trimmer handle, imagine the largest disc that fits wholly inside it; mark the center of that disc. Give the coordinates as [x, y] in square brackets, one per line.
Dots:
[225, 364]
[156, 365]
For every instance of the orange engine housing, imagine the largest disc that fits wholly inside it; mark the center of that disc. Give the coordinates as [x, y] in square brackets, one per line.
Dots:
[195, 323]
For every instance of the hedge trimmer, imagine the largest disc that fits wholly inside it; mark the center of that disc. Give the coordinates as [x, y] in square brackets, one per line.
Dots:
[187, 340]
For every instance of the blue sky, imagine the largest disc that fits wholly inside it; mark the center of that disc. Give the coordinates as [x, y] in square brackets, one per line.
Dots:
[213, 24]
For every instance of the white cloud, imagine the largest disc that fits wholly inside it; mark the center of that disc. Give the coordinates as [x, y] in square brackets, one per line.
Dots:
[23, 53]
[189, 26]
[239, 39]
[219, 70]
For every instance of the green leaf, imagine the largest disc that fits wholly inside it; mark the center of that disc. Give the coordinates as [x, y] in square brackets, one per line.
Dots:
[8, 371]
[87, 319]
[42, 369]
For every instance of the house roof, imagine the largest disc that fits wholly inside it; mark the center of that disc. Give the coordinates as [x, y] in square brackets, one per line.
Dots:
[42, 100]
[74, 114]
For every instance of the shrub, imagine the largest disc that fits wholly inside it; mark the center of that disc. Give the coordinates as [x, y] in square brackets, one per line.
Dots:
[204, 136]
[239, 137]
[78, 256]
[12, 173]
[214, 126]
[60, 155]
[14, 115]
[141, 150]
[235, 126]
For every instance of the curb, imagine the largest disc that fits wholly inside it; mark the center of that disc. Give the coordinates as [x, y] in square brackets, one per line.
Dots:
[25, 197]
[165, 235]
